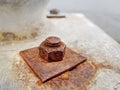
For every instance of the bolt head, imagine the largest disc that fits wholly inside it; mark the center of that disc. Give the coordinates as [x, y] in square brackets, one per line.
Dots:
[52, 41]
[52, 53]
[54, 11]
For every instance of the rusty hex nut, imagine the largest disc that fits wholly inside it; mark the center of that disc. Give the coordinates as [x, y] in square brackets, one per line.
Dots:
[52, 49]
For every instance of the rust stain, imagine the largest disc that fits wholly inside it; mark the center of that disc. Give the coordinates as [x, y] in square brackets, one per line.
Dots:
[65, 76]
[10, 37]
[39, 82]
[106, 65]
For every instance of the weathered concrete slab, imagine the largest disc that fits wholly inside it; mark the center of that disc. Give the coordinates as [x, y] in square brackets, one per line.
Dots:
[79, 34]
[106, 79]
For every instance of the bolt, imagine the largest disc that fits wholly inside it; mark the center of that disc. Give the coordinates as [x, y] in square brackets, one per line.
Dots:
[52, 41]
[52, 49]
[54, 11]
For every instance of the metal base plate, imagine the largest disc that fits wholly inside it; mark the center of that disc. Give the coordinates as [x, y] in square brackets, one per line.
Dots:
[46, 70]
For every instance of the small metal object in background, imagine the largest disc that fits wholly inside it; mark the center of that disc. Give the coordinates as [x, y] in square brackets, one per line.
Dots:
[51, 58]
[52, 49]
[55, 13]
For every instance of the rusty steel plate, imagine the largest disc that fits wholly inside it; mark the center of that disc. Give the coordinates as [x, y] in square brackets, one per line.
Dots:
[56, 16]
[77, 79]
[46, 70]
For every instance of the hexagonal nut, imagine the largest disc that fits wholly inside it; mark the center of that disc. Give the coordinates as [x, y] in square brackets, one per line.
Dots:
[52, 54]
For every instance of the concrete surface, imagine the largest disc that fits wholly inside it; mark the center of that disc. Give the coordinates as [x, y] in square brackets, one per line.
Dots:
[80, 35]
[104, 13]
